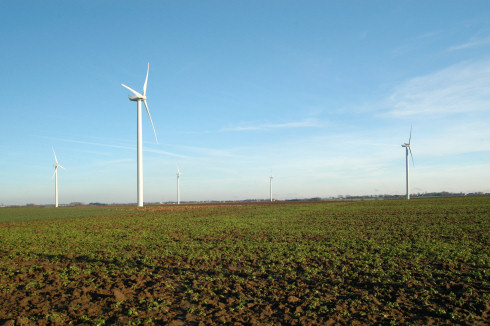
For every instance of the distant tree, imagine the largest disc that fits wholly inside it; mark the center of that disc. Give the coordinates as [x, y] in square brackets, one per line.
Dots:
[97, 204]
[315, 199]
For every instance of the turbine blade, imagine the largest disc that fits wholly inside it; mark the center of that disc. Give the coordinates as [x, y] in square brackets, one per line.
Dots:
[61, 167]
[411, 154]
[53, 173]
[132, 90]
[410, 138]
[146, 80]
[54, 155]
[148, 111]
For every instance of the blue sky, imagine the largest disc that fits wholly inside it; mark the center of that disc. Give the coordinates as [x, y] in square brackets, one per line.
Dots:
[320, 94]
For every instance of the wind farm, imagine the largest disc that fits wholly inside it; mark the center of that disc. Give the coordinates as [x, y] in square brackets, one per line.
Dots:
[275, 192]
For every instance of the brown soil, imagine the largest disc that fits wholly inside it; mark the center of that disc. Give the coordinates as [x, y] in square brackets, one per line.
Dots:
[196, 293]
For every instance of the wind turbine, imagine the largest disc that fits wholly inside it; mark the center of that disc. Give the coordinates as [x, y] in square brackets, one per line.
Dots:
[270, 186]
[56, 165]
[138, 98]
[178, 185]
[408, 149]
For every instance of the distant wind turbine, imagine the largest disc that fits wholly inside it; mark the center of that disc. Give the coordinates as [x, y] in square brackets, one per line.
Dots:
[56, 165]
[178, 185]
[138, 98]
[270, 186]
[408, 149]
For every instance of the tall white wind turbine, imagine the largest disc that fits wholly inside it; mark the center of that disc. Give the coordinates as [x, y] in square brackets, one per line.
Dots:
[56, 166]
[178, 185]
[138, 98]
[270, 186]
[408, 149]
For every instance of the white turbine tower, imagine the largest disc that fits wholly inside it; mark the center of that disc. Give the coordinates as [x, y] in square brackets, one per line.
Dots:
[270, 186]
[408, 149]
[178, 185]
[138, 98]
[56, 166]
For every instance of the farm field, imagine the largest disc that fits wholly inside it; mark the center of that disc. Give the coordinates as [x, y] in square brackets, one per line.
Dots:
[416, 262]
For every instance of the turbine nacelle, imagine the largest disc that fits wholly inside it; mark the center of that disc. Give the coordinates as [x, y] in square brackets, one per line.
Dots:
[137, 98]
